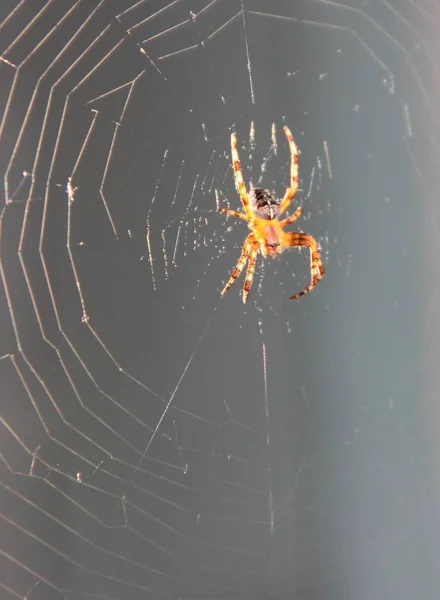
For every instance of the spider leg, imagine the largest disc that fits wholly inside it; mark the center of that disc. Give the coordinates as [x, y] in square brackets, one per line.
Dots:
[241, 262]
[250, 270]
[233, 213]
[292, 218]
[227, 211]
[317, 270]
[291, 191]
[239, 177]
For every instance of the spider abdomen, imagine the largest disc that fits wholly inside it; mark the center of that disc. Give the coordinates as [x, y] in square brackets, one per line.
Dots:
[264, 205]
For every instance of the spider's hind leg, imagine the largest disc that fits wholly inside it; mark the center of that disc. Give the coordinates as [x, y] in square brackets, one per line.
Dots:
[238, 175]
[292, 218]
[228, 211]
[291, 191]
[233, 213]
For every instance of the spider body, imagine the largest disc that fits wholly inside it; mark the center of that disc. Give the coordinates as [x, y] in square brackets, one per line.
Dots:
[266, 225]
[262, 212]
[263, 205]
[269, 234]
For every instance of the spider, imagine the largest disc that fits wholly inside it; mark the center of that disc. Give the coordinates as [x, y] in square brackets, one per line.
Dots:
[261, 213]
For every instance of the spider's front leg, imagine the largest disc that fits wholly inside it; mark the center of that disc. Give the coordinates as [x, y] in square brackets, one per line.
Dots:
[250, 270]
[250, 240]
[316, 267]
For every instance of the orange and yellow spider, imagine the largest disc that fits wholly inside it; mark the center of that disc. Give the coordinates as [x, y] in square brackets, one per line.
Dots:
[261, 213]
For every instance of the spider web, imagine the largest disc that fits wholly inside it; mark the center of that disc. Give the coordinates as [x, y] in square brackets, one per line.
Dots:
[159, 441]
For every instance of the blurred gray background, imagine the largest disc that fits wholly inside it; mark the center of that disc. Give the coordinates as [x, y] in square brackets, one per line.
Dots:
[158, 440]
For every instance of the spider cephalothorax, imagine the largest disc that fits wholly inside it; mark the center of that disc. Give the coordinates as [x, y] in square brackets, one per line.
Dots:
[263, 204]
[267, 232]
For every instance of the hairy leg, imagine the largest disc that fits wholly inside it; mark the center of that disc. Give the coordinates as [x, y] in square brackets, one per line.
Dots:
[291, 191]
[228, 211]
[233, 213]
[317, 270]
[250, 270]
[292, 218]
[241, 262]
[239, 177]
